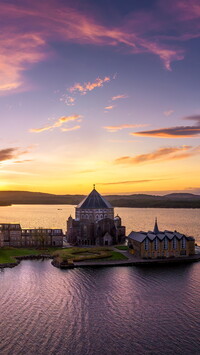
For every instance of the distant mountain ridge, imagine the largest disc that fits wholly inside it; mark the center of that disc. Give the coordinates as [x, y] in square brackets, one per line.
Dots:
[173, 200]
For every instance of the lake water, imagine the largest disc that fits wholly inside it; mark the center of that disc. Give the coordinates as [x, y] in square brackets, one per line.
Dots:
[106, 311]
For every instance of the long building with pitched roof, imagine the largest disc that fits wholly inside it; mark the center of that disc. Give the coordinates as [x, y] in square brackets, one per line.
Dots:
[94, 223]
[160, 244]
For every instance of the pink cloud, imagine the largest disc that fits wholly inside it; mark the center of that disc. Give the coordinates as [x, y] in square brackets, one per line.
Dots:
[30, 27]
[107, 108]
[168, 113]
[68, 100]
[16, 53]
[83, 88]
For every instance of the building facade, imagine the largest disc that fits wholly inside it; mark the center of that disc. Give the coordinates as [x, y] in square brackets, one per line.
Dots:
[156, 244]
[14, 236]
[94, 223]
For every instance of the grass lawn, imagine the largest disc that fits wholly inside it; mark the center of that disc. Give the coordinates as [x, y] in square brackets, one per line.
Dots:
[115, 256]
[89, 254]
[7, 254]
[122, 247]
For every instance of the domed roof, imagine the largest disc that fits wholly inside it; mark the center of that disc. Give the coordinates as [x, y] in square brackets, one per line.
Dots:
[94, 200]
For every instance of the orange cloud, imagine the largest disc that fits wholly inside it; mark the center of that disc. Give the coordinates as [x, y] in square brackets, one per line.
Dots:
[174, 132]
[112, 129]
[117, 97]
[58, 123]
[161, 154]
[109, 107]
[83, 88]
[10, 154]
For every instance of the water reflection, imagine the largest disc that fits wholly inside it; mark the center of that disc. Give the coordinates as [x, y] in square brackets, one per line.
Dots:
[119, 310]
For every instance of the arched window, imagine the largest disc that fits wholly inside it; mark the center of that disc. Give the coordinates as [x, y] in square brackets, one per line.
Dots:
[165, 245]
[156, 244]
[97, 216]
[174, 243]
[85, 230]
[183, 243]
[146, 244]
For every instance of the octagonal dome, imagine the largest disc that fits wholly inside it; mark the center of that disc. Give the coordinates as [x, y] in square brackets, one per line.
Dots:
[94, 200]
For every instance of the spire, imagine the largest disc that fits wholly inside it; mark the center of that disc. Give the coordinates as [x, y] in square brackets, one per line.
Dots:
[156, 230]
[94, 186]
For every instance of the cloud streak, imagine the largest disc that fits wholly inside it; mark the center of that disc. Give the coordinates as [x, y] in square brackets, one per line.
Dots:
[160, 155]
[174, 132]
[59, 123]
[74, 128]
[118, 97]
[128, 182]
[113, 129]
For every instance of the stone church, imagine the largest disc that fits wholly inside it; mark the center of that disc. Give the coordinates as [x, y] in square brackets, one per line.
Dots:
[94, 223]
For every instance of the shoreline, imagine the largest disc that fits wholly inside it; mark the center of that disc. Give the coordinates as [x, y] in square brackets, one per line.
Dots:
[25, 257]
[131, 261]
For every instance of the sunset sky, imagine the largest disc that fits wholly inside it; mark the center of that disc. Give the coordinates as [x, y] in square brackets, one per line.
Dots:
[104, 92]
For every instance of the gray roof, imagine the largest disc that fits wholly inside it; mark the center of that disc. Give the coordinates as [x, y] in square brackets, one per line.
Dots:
[141, 236]
[94, 200]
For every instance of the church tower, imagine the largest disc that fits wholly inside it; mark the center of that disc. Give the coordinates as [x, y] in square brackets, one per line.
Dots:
[94, 223]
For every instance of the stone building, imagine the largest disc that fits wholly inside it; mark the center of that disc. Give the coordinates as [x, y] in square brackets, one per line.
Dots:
[160, 244]
[10, 234]
[14, 236]
[94, 223]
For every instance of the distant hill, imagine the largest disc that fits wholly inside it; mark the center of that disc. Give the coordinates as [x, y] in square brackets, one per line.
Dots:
[175, 200]
[39, 198]
[182, 196]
